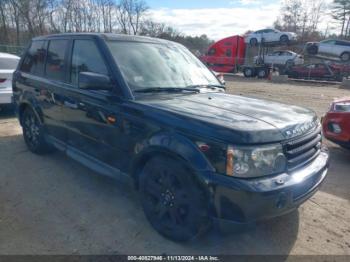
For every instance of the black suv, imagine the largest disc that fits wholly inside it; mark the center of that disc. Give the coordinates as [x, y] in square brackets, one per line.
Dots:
[147, 110]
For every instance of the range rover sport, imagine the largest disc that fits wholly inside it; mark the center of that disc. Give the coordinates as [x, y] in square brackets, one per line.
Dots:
[147, 110]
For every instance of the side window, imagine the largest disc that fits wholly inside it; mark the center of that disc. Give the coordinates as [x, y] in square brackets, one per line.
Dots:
[34, 59]
[86, 58]
[55, 67]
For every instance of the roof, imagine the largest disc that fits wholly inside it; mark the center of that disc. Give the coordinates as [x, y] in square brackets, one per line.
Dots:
[7, 55]
[107, 36]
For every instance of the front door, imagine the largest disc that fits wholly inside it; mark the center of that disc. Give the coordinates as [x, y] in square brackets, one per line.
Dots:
[91, 117]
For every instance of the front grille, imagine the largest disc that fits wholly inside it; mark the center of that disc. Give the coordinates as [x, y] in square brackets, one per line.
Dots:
[302, 150]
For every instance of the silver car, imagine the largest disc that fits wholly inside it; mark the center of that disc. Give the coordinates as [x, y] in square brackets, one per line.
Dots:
[8, 64]
[333, 47]
[282, 57]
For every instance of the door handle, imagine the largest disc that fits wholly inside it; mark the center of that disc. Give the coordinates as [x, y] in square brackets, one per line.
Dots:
[71, 105]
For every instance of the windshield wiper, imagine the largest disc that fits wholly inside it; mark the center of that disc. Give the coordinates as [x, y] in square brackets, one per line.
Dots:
[167, 89]
[206, 86]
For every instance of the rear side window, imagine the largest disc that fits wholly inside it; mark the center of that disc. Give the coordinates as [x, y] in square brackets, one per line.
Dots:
[55, 66]
[34, 59]
[343, 43]
[86, 58]
[8, 63]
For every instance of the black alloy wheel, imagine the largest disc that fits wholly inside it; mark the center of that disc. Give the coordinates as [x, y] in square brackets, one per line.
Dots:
[172, 200]
[33, 133]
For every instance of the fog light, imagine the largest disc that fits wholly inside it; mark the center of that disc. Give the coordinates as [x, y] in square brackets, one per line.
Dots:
[336, 128]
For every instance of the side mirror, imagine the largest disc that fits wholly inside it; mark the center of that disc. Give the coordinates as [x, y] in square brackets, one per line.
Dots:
[220, 77]
[94, 81]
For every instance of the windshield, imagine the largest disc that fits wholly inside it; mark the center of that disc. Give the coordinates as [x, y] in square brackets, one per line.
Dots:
[152, 65]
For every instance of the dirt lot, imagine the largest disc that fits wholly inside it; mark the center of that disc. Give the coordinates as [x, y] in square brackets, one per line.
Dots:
[52, 205]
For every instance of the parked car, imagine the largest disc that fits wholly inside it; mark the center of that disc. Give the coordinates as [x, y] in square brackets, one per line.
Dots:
[334, 47]
[8, 64]
[288, 58]
[336, 123]
[315, 71]
[147, 110]
[268, 36]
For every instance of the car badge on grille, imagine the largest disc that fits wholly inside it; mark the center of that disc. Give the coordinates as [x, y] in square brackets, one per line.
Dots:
[301, 129]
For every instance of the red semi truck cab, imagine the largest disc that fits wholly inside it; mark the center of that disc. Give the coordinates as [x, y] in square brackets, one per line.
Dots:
[224, 55]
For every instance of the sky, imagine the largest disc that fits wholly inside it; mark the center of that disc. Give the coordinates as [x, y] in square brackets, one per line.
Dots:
[216, 18]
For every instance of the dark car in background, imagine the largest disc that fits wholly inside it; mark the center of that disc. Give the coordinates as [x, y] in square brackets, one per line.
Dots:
[318, 71]
[148, 111]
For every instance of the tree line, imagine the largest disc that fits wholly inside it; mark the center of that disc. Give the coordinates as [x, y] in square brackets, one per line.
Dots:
[305, 16]
[21, 20]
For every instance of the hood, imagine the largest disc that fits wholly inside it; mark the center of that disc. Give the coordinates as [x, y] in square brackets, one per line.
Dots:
[246, 120]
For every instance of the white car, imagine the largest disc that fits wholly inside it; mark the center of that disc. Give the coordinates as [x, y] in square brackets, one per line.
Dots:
[268, 36]
[338, 48]
[288, 58]
[8, 64]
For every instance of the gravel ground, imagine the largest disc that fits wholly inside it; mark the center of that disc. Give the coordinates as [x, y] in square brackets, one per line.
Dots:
[53, 205]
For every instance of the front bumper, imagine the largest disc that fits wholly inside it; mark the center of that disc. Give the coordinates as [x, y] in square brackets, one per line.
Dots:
[249, 200]
[5, 96]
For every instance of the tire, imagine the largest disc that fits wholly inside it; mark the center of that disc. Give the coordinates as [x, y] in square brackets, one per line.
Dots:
[34, 134]
[284, 39]
[312, 50]
[289, 63]
[172, 200]
[253, 42]
[248, 72]
[262, 73]
[345, 56]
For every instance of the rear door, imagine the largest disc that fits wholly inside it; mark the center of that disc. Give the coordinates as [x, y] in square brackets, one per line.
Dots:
[35, 88]
[52, 88]
[327, 47]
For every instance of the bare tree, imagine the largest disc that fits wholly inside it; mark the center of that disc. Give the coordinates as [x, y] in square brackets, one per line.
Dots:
[341, 14]
[301, 16]
[129, 15]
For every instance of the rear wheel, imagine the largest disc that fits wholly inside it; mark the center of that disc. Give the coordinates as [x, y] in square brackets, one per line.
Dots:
[345, 56]
[262, 73]
[33, 133]
[253, 42]
[172, 200]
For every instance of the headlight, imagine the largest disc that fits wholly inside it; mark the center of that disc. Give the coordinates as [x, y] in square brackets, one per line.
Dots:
[247, 162]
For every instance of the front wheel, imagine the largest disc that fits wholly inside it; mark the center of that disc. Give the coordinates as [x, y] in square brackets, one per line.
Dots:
[345, 56]
[33, 133]
[248, 72]
[289, 63]
[172, 201]
[284, 39]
